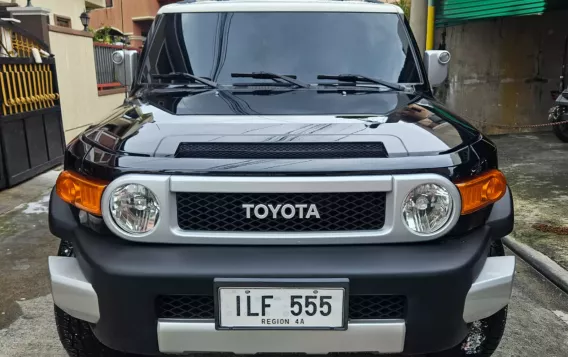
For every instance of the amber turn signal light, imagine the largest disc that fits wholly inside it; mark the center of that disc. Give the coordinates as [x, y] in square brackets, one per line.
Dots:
[482, 190]
[80, 191]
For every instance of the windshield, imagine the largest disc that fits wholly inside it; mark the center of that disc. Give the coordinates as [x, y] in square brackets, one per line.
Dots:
[305, 45]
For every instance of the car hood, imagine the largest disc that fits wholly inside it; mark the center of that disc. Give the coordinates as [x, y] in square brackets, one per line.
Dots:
[155, 125]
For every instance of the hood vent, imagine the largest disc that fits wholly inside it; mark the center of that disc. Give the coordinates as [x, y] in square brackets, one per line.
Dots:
[282, 150]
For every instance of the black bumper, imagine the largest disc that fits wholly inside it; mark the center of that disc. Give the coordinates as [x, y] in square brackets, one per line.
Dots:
[435, 277]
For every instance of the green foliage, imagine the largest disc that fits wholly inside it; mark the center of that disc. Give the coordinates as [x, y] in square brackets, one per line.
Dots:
[405, 5]
[105, 35]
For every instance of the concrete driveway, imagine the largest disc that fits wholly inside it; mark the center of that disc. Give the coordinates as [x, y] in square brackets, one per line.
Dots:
[538, 315]
[536, 166]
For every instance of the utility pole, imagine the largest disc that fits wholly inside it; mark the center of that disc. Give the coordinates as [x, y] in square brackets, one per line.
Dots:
[419, 21]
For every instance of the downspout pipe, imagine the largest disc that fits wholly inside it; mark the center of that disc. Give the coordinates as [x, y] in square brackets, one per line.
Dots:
[430, 25]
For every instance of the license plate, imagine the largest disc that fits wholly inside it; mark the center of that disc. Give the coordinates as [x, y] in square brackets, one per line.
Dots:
[254, 307]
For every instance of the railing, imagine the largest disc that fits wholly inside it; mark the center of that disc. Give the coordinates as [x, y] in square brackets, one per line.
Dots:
[26, 85]
[104, 66]
[16, 42]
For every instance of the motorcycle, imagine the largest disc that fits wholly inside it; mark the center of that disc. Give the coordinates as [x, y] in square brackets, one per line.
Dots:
[559, 113]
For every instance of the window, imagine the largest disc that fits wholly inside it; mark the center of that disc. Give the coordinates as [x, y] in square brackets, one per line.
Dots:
[215, 45]
[108, 3]
[62, 21]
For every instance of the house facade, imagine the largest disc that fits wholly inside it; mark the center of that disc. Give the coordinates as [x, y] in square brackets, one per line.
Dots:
[131, 18]
[57, 22]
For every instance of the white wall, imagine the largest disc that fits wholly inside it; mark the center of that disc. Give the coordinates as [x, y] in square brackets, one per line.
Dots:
[80, 102]
[69, 8]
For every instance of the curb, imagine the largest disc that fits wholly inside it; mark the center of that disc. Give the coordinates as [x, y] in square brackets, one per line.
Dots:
[543, 264]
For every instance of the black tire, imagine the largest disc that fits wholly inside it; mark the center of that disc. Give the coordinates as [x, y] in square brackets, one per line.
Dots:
[561, 130]
[78, 339]
[484, 335]
[76, 335]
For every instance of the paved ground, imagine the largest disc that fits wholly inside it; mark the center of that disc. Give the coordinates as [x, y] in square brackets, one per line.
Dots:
[536, 166]
[538, 319]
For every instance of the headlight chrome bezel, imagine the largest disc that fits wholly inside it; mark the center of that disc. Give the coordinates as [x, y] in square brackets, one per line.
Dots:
[108, 200]
[167, 230]
[453, 209]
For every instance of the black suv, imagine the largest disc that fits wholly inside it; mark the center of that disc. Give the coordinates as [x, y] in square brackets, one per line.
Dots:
[281, 180]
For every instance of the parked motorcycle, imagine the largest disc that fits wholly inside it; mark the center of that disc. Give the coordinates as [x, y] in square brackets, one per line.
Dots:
[559, 113]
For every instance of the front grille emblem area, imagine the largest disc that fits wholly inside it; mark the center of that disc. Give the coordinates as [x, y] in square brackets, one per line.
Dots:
[280, 212]
[286, 211]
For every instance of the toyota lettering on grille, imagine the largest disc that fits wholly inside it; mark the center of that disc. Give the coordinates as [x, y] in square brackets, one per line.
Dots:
[287, 211]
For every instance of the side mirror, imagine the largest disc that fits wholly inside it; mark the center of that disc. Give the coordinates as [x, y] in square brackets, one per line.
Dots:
[436, 63]
[125, 65]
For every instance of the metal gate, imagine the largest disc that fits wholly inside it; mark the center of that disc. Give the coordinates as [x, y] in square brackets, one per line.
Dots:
[31, 130]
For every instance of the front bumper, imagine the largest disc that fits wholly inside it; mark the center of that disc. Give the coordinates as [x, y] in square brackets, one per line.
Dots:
[75, 295]
[114, 283]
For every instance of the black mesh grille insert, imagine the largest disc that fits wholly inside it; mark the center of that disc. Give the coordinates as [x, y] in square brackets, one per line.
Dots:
[350, 211]
[379, 307]
[185, 307]
[281, 150]
[361, 307]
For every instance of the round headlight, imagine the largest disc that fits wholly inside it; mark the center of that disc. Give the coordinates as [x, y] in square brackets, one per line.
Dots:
[427, 208]
[134, 208]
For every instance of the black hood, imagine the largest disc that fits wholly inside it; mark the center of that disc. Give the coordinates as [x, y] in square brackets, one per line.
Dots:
[156, 125]
[146, 132]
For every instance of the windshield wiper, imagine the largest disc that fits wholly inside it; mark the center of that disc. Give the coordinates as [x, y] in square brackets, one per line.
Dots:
[269, 75]
[363, 79]
[190, 77]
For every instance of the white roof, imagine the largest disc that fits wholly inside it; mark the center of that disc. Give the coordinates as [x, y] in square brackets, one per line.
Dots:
[280, 6]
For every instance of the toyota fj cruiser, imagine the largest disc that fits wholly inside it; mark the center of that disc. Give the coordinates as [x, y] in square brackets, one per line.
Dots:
[281, 180]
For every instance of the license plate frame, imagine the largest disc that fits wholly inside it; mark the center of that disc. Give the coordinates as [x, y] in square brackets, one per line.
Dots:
[335, 283]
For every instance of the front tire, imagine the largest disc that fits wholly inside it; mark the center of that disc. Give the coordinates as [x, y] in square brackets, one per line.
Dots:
[561, 130]
[77, 338]
[484, 335]
[483, 339]
[76, 335]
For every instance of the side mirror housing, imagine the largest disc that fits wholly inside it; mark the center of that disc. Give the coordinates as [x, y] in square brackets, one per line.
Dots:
[436, 63]
[125, 65]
